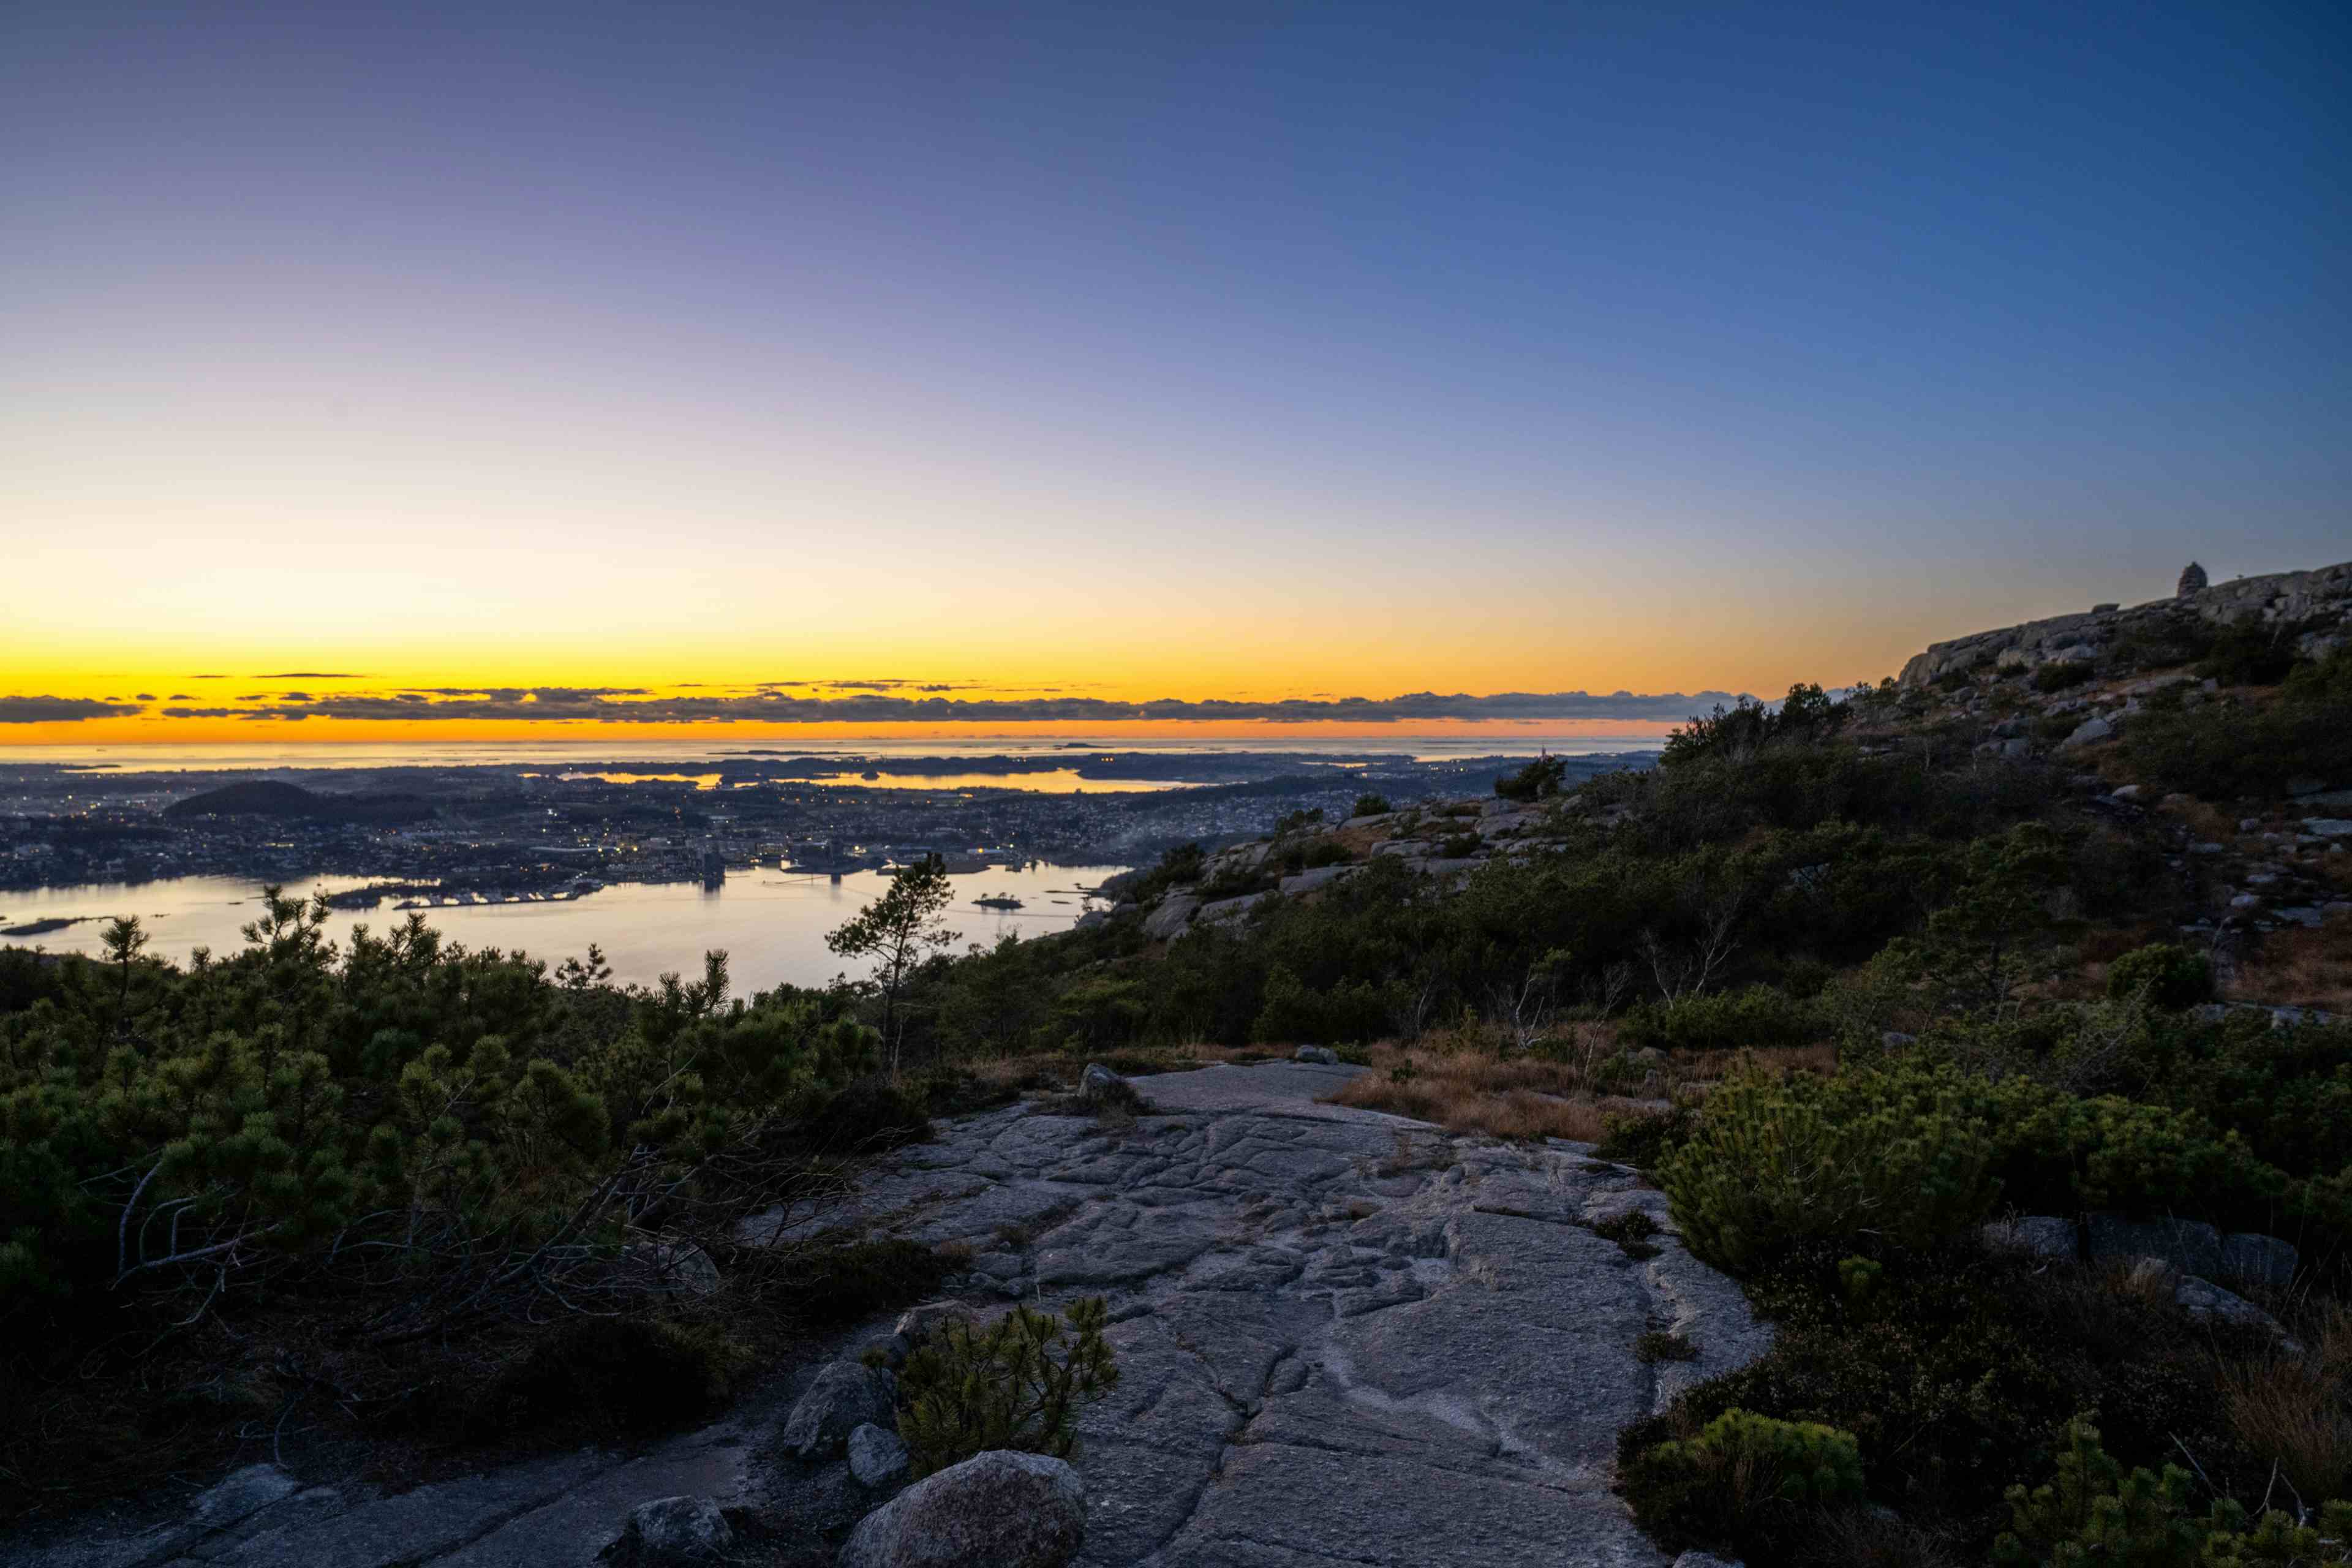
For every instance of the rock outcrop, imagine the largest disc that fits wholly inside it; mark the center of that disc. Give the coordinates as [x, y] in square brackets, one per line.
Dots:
[2292, 596]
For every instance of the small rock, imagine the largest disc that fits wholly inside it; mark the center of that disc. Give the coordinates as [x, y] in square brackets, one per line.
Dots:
[1322, 1055]
[2129, 792]
[878, 1456]
[672, 1529]
[1706, 1560]
[1000, 1509]
[2259, 1259]
[845, 1396]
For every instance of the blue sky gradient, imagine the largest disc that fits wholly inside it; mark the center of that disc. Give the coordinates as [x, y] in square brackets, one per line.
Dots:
[1726, 344]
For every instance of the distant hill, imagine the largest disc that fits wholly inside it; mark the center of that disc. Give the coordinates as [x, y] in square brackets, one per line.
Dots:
[268, 797]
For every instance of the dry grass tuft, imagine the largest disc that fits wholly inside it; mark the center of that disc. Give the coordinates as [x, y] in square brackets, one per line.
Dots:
[2288, 1410]
[1859, 1538]
[2301, 968]
[1461, 1081]
[1476, 1091]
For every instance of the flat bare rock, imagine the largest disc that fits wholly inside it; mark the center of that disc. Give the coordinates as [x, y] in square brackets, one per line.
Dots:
[1343, 1336]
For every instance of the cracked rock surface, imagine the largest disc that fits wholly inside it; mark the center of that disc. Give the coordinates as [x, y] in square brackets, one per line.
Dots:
[1343, 1338]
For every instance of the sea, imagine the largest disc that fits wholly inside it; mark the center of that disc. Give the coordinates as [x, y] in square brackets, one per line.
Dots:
[773, 924]
[676, 755]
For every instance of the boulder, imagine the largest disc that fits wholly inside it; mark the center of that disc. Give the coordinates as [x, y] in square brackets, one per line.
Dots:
[1231, 909]
[672, 1531]
[2203, 1299]
[917, 1324]
[2258, 1260]
[245, 1493]
[667, 1265]
[2035, 1235]
[878, 1456]
[2190, 1245]
[844, 1397]
[1322, 1055]
[999, 1510]
[2088, 731]
[1096, 1081]
[1299, 882]
[1174, 913]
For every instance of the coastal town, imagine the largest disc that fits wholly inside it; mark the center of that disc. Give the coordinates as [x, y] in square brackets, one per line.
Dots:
[427, 836]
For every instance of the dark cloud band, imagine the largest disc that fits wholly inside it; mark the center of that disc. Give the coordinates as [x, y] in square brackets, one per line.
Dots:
[60, 710]
[624, 705]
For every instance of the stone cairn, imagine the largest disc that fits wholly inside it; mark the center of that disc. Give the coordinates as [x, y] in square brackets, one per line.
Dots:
[2193, 580]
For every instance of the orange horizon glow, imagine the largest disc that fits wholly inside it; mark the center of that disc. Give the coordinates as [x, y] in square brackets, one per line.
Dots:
[145, 732]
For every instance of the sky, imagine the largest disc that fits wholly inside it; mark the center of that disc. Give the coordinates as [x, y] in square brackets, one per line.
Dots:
[521, 363]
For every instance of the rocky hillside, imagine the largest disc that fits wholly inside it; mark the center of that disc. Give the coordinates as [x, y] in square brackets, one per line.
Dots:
[2307, 607]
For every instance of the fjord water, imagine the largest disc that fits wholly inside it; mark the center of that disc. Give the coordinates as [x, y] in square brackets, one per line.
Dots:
[771, 924]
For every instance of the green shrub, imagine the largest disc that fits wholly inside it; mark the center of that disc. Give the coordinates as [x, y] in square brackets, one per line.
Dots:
[1536, 781]
[2093, 1512]
[1016, 1384]
[1741, 1482]
[869, 1117]
[1323, 852]
[2251, 653]
[611, 1374]
[1773, 1163]
[2059, 676]
[1459, 846]
[1955, 1369]
[1370, 806]
[2168, 975]
[830, 1286]
[1630, 1230]
[2229, 750]
[1641, 1140]
[1754, 1018]
[1657, 1345]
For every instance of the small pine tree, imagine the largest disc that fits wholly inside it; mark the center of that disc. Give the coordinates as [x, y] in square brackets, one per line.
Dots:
[1017, 1384]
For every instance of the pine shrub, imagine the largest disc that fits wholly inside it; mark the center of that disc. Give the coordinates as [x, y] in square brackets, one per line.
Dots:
[1773, 1162]
[1017, 1384]
[1743, 1480]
